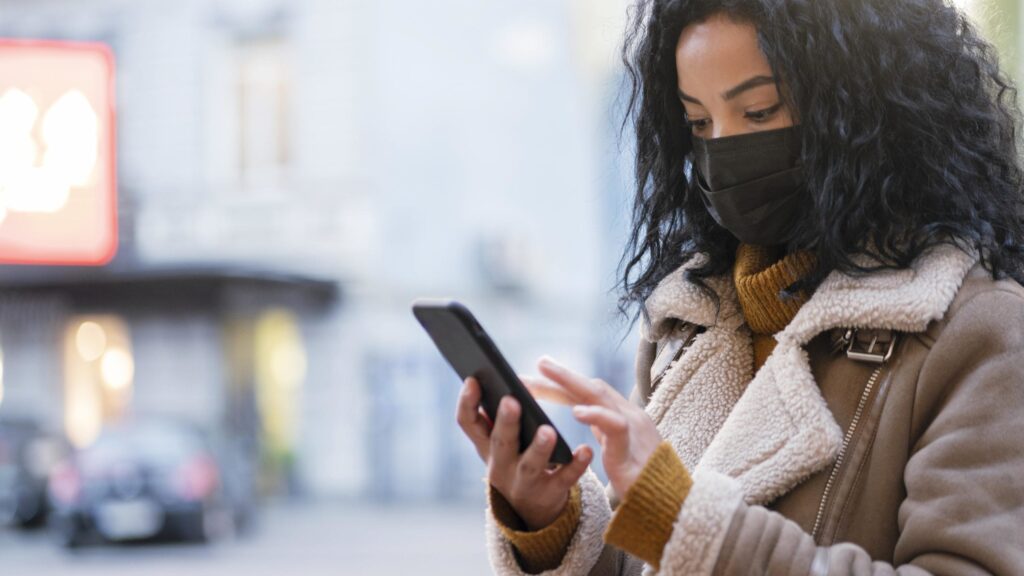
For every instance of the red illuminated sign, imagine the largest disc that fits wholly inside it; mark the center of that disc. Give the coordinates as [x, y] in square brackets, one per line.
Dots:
[58, 182]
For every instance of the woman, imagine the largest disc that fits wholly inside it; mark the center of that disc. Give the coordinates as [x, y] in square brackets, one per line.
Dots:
[828, 228]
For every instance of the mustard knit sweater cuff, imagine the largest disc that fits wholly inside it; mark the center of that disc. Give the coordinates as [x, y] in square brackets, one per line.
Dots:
[542, 549]
[643, 522]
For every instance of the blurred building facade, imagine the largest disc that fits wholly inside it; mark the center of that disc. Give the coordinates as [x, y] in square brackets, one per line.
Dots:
[384, 149]
[377, 150]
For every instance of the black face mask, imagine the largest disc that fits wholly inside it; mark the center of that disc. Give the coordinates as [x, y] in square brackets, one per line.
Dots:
[752, 184]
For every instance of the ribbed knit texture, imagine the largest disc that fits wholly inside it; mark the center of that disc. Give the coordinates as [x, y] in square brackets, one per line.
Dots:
[760, 274]
[643, 522]
[542, 549]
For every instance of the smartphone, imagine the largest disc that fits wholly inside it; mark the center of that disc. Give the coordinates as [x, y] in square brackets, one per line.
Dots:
[471, 352]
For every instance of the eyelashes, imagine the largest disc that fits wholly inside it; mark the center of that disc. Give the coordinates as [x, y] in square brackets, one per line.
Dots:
[756, 116]
[763, 115]
[698, 124]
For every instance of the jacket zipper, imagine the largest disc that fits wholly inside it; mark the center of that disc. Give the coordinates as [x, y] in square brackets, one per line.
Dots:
[842, 451]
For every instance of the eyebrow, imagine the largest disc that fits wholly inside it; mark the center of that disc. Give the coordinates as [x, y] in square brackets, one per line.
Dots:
[750, 84]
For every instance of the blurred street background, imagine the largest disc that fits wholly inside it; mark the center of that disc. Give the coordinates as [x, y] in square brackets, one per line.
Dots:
[242, 388]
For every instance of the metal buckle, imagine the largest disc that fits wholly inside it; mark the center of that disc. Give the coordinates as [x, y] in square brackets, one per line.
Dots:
[870, 354]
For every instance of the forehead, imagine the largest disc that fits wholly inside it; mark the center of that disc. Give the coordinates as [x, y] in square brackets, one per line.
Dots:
[717, 53]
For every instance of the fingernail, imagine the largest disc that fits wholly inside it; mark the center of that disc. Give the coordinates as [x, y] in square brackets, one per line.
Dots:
[544, 435]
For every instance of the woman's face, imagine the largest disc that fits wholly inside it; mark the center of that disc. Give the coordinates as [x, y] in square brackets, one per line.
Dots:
[725, 82]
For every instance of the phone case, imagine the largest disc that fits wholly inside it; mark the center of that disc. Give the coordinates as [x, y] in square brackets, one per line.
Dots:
[471, 352]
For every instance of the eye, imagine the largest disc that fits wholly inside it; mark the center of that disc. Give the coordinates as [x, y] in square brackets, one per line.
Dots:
[763, 115]
[697, 124]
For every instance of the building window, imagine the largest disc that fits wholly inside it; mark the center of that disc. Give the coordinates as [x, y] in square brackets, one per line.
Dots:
[263, 112]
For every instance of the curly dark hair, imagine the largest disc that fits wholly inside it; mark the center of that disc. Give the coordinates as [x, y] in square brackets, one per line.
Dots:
[909, 132]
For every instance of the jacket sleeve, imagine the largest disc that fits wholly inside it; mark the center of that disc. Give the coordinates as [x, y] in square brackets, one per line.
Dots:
[536, 550]
[964, 506]
[587, 553]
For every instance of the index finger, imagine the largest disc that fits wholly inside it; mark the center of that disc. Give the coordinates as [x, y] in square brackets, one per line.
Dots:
[544, 389]
[585, 390]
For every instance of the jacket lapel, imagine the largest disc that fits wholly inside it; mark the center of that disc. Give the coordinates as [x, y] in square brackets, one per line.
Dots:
[772, 430]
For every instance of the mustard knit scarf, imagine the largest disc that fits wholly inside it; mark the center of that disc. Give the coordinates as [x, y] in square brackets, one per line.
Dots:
[760, 273]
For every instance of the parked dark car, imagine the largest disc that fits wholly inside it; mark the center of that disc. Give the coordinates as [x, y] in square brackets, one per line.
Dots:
[143, 480]
[27, 456]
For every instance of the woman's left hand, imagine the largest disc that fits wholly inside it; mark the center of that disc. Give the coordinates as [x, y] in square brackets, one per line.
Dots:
[626, 433]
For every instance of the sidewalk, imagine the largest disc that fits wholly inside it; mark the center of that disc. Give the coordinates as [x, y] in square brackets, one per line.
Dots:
[310, 538]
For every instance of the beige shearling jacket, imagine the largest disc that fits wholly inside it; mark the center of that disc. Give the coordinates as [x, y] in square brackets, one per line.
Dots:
[836, 457]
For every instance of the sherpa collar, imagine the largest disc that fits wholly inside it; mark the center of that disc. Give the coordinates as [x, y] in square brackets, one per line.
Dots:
[773, 429]
[902, 300]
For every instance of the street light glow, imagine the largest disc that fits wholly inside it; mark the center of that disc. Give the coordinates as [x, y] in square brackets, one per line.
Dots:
[90, 340]
[117, 369]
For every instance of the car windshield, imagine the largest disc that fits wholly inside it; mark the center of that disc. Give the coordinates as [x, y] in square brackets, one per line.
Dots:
[156, 444]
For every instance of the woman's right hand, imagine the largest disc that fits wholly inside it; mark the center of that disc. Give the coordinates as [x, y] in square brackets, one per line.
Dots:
[536, 493]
